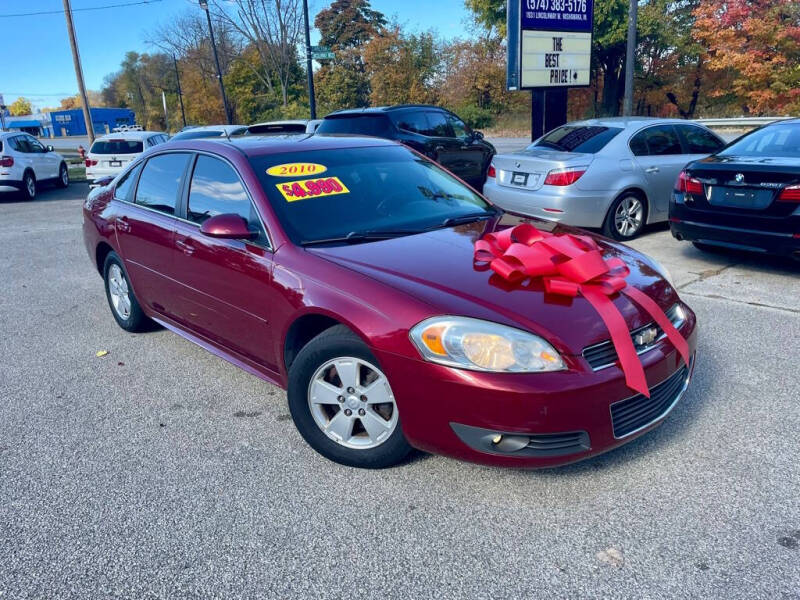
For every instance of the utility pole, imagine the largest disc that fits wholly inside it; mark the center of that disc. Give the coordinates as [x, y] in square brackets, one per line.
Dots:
[309, 67]
[76, 59]
[180, 93]
[204, 6]
[630, 58]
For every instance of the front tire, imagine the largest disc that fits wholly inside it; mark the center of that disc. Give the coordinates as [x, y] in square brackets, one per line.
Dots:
[124, 306]
[28, 186]
[63, 176]
[626, 217]
[342, 404]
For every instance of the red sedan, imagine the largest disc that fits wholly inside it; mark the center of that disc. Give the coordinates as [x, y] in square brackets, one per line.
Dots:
[342, 269]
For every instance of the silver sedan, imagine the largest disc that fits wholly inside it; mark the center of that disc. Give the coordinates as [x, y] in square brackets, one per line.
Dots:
[616, 174]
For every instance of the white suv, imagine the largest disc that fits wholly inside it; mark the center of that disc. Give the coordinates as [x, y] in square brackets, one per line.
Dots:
[112, 152]
[25, 163]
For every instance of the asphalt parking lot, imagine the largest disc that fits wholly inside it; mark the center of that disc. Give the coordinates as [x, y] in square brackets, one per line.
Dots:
[158, 470]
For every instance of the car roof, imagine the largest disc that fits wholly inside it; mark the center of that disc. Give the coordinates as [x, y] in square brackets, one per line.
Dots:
[227, 128]
[285, 122]
[379, 109]
[631, 122]
[128, 135]
[257, 145]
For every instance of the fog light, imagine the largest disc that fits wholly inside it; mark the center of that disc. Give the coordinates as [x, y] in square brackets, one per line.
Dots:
[497, 439]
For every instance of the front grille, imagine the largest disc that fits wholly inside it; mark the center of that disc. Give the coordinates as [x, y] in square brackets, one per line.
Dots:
[635, 413]
[602, 355]
[557, 444]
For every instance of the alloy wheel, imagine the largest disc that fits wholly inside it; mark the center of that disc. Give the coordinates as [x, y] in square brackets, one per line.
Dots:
[64, 176]
[119, 292]
[30, 186]
[629, 216]
[352, 403]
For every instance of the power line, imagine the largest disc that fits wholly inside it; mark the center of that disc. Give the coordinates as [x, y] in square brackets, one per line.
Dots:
[61, 12]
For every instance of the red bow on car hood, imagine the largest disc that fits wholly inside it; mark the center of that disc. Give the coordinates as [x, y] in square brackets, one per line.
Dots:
[572, 265]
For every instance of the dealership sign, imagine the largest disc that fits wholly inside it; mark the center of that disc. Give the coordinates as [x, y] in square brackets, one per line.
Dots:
[549, 43]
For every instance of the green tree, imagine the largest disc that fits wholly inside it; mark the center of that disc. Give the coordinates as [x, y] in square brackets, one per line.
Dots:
[20, 106]
[489, 14]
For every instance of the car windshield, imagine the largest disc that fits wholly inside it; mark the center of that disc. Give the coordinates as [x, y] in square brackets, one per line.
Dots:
[577, 138]
[376, 125]
[772, 140]
[363, 192]
[193, 134]
[117, 147]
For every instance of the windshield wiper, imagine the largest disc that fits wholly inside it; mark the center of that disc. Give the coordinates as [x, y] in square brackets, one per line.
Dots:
[355, 237]
[450, 221]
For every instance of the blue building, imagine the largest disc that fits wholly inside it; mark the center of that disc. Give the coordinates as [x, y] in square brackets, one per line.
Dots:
[71, 122]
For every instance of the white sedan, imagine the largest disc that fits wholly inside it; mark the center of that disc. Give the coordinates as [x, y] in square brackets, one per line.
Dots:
[25, 163]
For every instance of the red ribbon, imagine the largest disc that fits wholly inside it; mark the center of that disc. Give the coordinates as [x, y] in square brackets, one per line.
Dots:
[573, 265]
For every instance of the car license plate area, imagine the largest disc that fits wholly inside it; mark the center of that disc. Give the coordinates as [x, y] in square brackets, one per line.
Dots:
[519, 179]
[115, 163]
[736, 197]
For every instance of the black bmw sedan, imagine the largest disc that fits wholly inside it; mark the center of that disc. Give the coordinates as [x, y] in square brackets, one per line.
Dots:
[747, 196]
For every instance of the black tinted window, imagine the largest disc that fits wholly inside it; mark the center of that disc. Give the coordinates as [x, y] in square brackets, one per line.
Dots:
[772, 140]
[123, 189]
[160, 182]
[578, 138]
[460, 130]
[656, 141]
[699, 140]
[374, 125]
[276, 128]
[413, 121]
[117, 147]
[438, 124]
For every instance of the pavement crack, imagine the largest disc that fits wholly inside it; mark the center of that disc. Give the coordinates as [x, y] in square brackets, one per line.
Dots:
[708, 274]
[747, 302]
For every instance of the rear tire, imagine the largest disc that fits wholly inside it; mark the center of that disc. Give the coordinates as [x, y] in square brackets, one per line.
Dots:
[28, 186]
[626, 217]
[63, 176]
[349, 417]
[124, 306]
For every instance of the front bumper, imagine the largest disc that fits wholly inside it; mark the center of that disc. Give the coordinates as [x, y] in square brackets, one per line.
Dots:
[563, 204]
[543, 420]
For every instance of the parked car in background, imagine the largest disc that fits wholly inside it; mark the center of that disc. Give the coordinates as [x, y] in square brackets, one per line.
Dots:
[279, 127]
[209, 131]
[343, 270]
[430, 130]
[25, 163]
[111, 153]
[616, 174]
[746, 196]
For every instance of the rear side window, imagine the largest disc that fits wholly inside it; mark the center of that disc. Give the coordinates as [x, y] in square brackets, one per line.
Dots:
[578, 138]
[438, 124]
[661, 140]
[123, 189]
[367, 124]
[413, 121]
[160, 182]
[699, 140]
[117, 147]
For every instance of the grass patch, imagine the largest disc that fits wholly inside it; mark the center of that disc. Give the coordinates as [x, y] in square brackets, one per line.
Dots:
[77, 173]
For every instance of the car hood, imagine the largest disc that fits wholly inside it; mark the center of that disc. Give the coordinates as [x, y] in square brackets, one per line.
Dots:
[437, 267]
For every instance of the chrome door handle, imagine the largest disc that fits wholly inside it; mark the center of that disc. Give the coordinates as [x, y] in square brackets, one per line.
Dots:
[123, 225]
[186, 247]
[438, 148]
[652, 170]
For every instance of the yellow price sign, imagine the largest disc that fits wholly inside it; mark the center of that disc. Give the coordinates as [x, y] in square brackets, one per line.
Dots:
[293, 191]
[295, 169]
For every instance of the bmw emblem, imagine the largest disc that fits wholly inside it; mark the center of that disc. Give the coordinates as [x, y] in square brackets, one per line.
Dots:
[739, 178]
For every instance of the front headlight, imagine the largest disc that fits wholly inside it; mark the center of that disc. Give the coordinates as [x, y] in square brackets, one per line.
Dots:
[662, 270]
[483, 346]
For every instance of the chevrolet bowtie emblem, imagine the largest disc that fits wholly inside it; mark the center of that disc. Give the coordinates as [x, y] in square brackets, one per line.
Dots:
[646, 336]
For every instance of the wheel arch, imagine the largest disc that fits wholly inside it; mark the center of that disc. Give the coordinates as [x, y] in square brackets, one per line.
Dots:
[304, 329]
[101, 252]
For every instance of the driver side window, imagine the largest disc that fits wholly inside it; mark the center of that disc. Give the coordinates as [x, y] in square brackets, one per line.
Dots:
[459, 127]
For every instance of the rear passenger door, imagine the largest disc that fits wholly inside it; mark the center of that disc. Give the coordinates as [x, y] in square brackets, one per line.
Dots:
[226, 285]
[145, 229]
[660, 156]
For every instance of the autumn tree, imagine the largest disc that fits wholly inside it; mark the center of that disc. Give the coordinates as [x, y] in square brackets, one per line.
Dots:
[757, 43]
[20, 106]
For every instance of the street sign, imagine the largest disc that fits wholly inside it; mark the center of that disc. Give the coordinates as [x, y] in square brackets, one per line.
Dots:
[550, 43]
[315, 49]
[322, 55]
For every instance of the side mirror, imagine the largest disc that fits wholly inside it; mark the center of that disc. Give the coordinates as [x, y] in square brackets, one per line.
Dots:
[104, 181]
[50, 149]
[477, 135]
[227, 227]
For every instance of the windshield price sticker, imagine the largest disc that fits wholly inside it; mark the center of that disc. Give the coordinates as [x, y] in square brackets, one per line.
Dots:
[293, 191]
[295, 169]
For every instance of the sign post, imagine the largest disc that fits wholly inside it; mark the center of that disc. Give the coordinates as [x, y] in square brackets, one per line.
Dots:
[549, 51]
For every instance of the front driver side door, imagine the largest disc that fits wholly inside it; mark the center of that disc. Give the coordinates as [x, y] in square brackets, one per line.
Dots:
[472, 157]
[47, 163]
